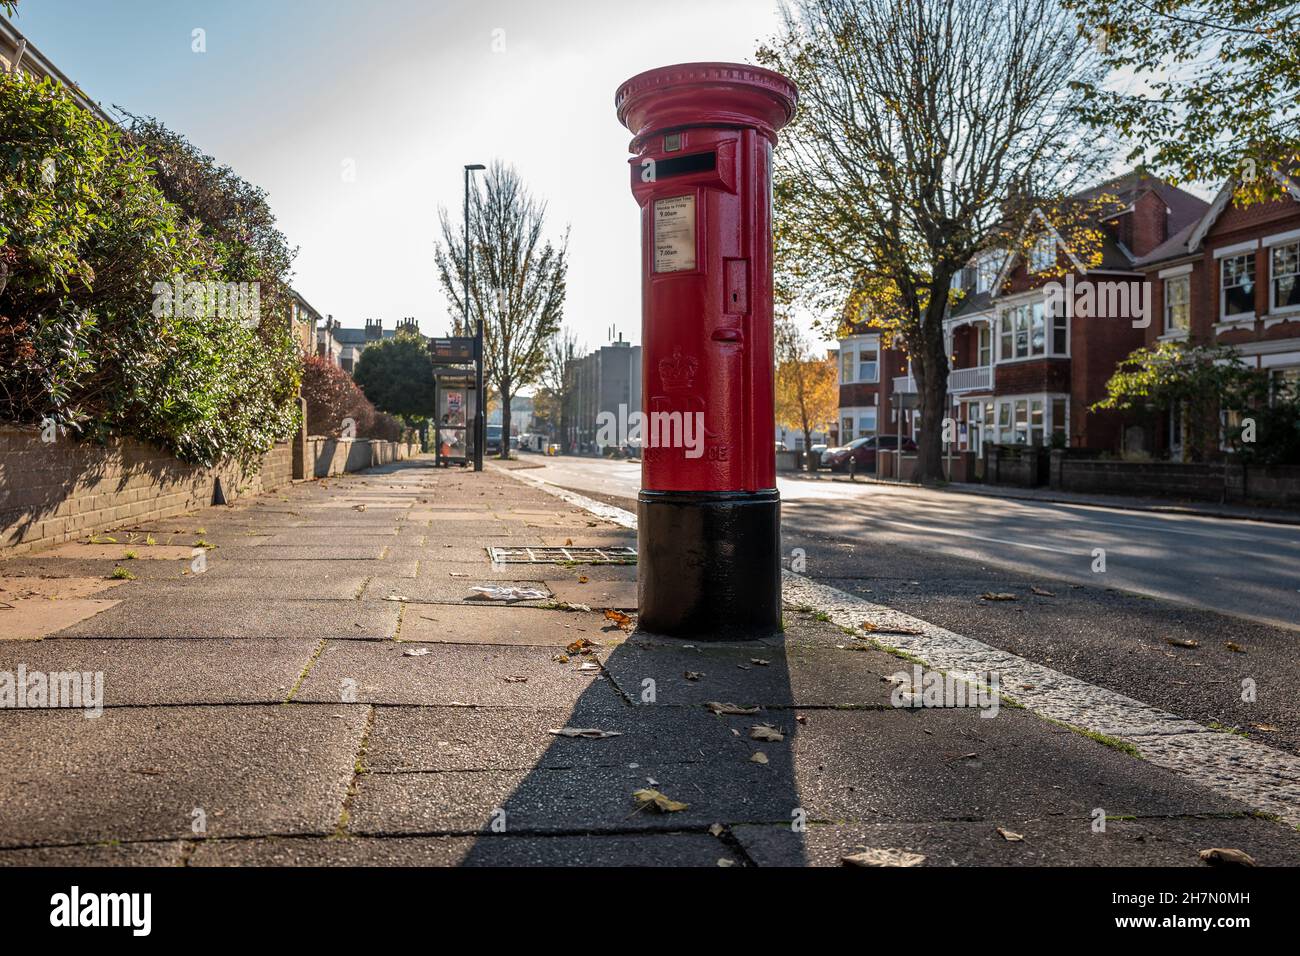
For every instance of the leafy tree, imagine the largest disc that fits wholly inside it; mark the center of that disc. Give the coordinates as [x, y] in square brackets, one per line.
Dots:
[1208, 89]
[86, 236]
[517, 282]
[928, 130]
[397, 376]
[807, 392]
[233, 215]
[1201, 381]
[338, 408]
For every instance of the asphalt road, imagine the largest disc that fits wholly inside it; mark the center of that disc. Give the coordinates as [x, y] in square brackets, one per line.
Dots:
[1230, 587]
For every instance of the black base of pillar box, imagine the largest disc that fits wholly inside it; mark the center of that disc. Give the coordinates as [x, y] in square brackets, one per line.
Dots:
[709, 563]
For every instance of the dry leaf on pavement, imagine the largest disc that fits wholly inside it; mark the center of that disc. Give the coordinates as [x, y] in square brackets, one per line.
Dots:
[1226, 856]
[758, 757]
[1179, 642]
[693, 675]
[765, 733]
[882, 856]
[416, 652]
[589, 733]
[998, 596]
[619, 618]
[1234, 647]
[653, 798]
[1010, 835]
[730, 709]
[1042, 592]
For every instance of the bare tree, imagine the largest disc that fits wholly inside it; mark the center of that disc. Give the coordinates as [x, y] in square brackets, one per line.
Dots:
[927, 131]
[517, 283]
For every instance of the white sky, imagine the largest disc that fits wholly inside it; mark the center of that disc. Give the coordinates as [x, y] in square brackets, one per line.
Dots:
[410, 90]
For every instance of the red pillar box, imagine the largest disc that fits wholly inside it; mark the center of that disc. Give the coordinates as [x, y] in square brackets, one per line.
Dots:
[708, 512]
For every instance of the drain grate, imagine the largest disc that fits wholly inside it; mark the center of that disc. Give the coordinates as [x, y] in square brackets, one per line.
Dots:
[621, 555]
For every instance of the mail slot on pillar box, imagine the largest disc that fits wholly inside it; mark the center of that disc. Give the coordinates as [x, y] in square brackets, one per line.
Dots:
[708, 512]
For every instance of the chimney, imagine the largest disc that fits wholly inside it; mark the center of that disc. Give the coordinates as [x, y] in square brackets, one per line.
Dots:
[374, 330]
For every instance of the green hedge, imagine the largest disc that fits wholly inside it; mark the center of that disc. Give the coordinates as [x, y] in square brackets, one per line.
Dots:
[86, 237]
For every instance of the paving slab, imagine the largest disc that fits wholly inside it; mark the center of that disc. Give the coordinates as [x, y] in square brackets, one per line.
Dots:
[794, 674]
[482, 738]
[235, 582]
[586, 799]
[451, 674]
[17, 587]
[255, 616]
[491, 624]
[139, 773]
[449, 590]
[119, 552]
[594, 593]
[30, 619]
[137, 673]
[168, 853]
[1174, 842]
[668, 849]
[322, 552]
[308, 571]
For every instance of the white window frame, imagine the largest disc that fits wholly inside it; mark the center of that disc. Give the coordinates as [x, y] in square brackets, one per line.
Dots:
[1185, 281]
[1223, 289]
[1272, 250]
[875, 365]
[1008, 418]
[1028, 310]
[1041, 259]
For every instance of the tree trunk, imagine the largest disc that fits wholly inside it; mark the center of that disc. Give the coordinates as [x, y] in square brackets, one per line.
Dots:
[505, 420]
[930, 368]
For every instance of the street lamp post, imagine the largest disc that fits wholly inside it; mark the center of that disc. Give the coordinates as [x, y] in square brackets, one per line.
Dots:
[480, 433]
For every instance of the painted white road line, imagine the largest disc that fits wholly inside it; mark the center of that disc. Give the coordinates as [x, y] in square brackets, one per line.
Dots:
[1265, 779]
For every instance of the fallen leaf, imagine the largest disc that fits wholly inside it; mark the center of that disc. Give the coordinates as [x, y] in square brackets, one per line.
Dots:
[716, 829]
[1010, 835]
[416, 652]
[1226, 856]
[1042, 592]
[397, 597]
[588, 666]
[765, 733]
[582, 579]
[580, 646]
[653, 798]
[1234, 647]
[730, 709]
[618, 617]
[1179, 642]
[692, 675]
[759, 662]
[590, 733]
[998, 596]
[512, 679]
[1264, 728]
[758, 757]
[868, 626]
[726, 861]
[560, 658]
[882, 856]
[568, 542]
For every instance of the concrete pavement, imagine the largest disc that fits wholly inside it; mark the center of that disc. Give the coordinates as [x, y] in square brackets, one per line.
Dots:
[326, 690]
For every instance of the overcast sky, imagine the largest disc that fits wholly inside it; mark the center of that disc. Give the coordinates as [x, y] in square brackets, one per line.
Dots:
[408, 91]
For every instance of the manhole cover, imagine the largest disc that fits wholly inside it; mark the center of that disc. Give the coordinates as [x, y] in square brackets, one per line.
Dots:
[622, 555]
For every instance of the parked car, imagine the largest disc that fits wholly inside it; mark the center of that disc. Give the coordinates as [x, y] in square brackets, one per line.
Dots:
[863, 452]
[493, 446]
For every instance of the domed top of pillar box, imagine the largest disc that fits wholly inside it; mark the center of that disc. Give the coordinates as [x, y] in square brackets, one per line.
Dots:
[705, 94]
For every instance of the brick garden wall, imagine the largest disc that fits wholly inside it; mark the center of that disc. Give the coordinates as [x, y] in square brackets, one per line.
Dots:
[56, 492]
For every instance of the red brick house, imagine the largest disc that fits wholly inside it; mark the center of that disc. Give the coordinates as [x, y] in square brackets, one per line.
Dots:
[1231, 277]
[1036, 337]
